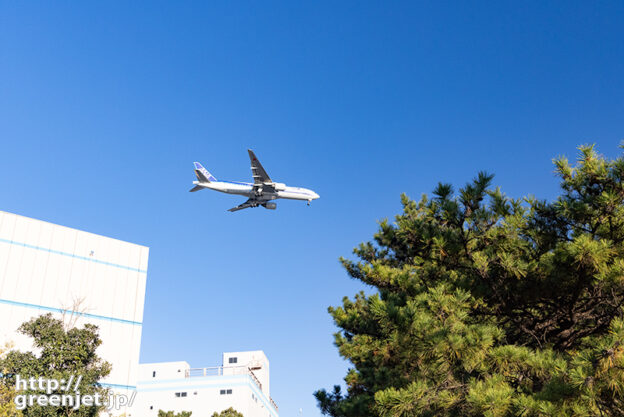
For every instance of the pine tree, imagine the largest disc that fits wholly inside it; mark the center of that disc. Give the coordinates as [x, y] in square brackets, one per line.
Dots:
[484, 305]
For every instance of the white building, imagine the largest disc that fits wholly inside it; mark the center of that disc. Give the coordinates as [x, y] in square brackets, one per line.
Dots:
[48, 268]
[242, 382]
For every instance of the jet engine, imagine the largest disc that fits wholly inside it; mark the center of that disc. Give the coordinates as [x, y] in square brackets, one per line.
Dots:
[270, 206]
[279, 186]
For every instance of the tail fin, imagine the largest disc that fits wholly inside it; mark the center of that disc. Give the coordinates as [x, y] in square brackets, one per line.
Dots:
[202, 174]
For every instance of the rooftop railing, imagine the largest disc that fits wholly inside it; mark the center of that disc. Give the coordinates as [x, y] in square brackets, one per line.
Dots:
[273, 404]
[217, 371]
[226, 370]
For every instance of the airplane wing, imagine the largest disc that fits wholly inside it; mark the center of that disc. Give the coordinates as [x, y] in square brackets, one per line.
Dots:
[249, 203]
[259, 174]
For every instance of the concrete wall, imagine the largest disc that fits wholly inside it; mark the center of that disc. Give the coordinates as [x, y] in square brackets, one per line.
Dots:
[46, 268]
[255, 360]
[166, 386]
[163, 371]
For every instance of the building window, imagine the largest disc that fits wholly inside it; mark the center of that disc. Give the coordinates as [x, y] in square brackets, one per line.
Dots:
[233, 360]
[180, 394]
[154, 374]
[229, 391]
[225, 392]
[151, 407]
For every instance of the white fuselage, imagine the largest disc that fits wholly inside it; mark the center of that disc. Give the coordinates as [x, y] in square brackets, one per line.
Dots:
[247, 189]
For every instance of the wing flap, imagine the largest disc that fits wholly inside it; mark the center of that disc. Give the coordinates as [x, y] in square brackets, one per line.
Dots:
[247, 204]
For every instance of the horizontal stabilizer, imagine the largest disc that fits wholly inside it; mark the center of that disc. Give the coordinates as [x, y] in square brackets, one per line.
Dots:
[196, 188]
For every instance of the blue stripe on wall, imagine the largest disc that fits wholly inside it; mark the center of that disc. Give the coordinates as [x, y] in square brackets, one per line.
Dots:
[118, 386]
[58, 310]
[83, 258]
[248, 383]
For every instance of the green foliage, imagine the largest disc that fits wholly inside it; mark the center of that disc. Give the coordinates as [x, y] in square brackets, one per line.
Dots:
[62, 353]
[7, 405]
[230, 412]
[7, 394]
[490, 306]
[162, 413]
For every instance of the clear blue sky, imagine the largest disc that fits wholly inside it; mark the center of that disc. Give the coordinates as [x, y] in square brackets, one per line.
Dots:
[104, 106]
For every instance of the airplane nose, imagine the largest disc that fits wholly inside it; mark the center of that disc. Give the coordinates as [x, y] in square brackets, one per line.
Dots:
[316, 196]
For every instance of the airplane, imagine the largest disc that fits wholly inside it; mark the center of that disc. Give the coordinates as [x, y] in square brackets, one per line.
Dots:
[259, 193]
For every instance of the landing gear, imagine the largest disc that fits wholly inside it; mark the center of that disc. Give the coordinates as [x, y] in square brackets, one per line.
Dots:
[309, 202]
